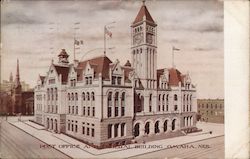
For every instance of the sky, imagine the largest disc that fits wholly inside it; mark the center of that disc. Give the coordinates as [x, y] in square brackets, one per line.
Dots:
[35, 32]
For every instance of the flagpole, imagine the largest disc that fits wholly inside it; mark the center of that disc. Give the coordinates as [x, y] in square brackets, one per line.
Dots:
[104, 36]
[104, 40]
[172, 56]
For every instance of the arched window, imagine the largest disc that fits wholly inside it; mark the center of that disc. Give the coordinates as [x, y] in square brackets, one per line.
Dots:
[76, 96]
[109, 104]
[88, 98]
[123, 104]
[175, 97]
[72, 96]
[93, 96]
[116, 103]
[83, 96]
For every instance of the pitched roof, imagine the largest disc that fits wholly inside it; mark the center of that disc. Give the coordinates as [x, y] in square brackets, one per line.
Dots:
[61, 70]
[42, 78]
[143, 12]
[175, 76]
[100, 65]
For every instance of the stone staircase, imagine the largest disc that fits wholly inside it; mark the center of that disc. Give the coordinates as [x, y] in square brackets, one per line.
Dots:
[148, 138]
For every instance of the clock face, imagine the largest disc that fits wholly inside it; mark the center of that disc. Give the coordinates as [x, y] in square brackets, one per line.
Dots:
[138, 39]
[149, 38]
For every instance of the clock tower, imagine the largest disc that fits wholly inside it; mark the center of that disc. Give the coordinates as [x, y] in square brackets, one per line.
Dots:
[144, 48]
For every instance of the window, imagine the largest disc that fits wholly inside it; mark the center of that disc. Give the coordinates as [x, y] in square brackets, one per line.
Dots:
[150, 103]
[68, 125]
[88, 98]
[175, 108]
[69, 109]
[92, 132]
[109, 104]
[76, 109]
[93, 111]
[83, 110]
[113, 80]
[109, 131]
[73, 110]
[76, 127]
[90, 80]
[122, 129]
[123, 104]
[119, 79]
[56, 93]
[88, 131]
[116, 130]
[88, 111]
[83, 130]
[175, 97]
[83, 96]
[116, 103]
[72, 126]
[93, 96]
[68, 96]
[76, 96]
[86, 80]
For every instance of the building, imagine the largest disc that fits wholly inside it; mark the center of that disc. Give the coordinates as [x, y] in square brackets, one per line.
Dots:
[211, 110]
[13, 97]
[105, 103]
[7, 85]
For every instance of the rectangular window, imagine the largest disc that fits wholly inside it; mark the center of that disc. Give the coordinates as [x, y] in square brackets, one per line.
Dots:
[119, 79]
[72, 109]
[68, 125]
[159, 108]
[76, 128]
[150, 108]
[109, 111]
[109, 131]
[175, 108]
[93, 111]
[92, 132]
[116, 111]
[123, 111]
[76, 110]
[72, 127]
[116, 130]
[83, 130]
[122, 129]
[90, 80]
[88, 131]
[113, 80]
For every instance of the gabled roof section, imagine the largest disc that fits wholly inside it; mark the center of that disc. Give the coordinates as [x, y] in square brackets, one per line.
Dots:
[100, 65]
[42, 78]
[143, 12]
[64, 71]
[175, 76]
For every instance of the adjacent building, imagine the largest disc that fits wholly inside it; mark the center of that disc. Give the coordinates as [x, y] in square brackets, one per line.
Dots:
[211, 110]
[106, 103]
[13, 98]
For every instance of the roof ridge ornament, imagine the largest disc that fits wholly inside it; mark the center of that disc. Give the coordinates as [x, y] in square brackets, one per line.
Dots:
[143, 2]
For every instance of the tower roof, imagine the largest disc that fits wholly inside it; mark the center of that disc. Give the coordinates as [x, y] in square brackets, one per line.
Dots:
[143, 12]
[63, 53]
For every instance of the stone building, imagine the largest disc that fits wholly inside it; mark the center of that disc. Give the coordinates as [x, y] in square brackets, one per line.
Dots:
[105, 103]
[211, 110]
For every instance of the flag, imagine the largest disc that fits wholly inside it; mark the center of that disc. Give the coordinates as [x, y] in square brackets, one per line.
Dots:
[108, 32]
[176, 49]
[78, 42]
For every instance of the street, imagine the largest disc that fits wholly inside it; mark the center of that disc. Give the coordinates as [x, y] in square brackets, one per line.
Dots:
[215, 150]
[15, 143]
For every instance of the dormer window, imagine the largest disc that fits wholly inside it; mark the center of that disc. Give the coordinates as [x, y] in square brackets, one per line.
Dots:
[88, 80]
[116, 80]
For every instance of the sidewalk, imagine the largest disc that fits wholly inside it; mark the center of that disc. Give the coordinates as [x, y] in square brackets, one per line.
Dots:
[85, 151]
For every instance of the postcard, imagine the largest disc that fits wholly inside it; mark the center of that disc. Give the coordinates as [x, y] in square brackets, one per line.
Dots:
[114, 79]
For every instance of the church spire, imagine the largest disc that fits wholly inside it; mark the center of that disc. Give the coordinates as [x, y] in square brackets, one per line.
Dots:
[17, 74]
[11, 77]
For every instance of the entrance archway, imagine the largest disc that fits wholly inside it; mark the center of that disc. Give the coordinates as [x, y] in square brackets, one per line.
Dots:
[137, 130]
[165, 125]
[157, 130]
[173, 124]
[147, 126]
